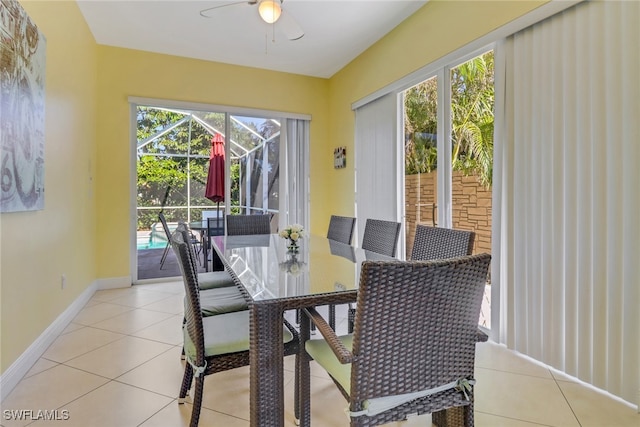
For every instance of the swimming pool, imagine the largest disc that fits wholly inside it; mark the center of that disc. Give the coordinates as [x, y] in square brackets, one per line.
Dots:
[154, 245]
[145, 242]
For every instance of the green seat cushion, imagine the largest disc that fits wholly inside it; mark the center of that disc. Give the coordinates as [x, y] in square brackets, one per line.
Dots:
[225, 333]
[214, 279]
[324, 356]
[221, 300]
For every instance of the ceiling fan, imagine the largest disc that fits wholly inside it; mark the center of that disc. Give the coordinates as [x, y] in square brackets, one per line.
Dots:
[271, 11]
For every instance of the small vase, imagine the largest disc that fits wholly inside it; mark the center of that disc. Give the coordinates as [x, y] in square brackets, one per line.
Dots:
[293, 247]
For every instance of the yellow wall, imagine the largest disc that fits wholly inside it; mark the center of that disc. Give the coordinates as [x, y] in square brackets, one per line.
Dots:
[38, 247]
[438, 28]
[84, 229]
[123, 73]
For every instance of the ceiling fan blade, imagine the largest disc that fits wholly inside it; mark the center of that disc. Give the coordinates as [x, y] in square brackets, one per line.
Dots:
[289, 26]
[205, 12]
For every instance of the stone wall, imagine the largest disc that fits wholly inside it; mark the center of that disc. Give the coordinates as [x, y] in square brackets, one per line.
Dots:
[471, 206]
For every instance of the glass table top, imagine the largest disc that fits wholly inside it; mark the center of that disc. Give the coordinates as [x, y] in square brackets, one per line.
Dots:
[268, 271]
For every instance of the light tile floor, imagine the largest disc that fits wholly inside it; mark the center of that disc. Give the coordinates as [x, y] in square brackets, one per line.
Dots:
[118, 365]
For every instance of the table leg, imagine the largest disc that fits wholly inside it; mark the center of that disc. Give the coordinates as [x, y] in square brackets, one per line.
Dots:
[266, 357]
[303, 385]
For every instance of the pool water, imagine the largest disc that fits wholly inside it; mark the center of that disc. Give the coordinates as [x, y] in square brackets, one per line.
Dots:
[144, 243]
[154, 245]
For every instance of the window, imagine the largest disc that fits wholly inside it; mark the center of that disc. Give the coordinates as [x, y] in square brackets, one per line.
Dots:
[448, 120]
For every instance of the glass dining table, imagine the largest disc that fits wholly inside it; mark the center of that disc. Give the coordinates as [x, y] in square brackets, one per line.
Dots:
[274, 280]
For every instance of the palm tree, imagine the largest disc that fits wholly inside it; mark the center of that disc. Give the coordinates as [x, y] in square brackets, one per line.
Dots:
[472, 100]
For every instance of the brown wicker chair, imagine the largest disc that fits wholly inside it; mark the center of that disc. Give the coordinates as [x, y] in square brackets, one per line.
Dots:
[413, 348]
[380, 237]
[211, 279]
[215, 343]
[441, 243]
[341, 229]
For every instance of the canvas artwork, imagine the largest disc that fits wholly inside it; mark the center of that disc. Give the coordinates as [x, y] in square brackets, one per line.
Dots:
[22, 100]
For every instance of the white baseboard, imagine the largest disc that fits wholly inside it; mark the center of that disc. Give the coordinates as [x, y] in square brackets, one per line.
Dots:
[114, 283]
[18, 369]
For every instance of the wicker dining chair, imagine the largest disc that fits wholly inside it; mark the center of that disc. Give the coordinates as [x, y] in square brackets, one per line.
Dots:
[248, 224]
[210, 279]
[380, 237]
[340, 230]
[218, 293]
[215, 343]
[441, 243]
[413, 348]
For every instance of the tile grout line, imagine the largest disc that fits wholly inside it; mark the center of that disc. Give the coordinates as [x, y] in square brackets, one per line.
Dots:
[555, 380]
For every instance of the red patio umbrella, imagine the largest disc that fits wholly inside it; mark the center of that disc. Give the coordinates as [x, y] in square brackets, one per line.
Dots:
[214, 190]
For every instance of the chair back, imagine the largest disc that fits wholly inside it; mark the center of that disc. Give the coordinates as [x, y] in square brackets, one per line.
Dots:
[184, 230]
[381, 236]
[248, 224]
[192, 309]
[416, 324]
[441, 243]
[165, 226]
[341, 229]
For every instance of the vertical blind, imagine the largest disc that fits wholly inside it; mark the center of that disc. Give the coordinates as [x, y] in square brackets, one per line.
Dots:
[376, 163]
[295, 185]
[567, 175]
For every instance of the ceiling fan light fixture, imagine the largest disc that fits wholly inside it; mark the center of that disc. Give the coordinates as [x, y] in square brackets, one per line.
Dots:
[270, 10]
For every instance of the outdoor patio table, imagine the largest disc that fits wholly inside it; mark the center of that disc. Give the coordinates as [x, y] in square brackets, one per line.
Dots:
[274, 280]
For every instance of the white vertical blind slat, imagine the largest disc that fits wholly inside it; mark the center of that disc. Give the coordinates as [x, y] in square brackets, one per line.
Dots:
[295, 181]
[630, 160]
[569, 244]
[376, 162]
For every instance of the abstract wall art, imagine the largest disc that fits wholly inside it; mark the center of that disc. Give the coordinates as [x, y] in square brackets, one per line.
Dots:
[22, 101]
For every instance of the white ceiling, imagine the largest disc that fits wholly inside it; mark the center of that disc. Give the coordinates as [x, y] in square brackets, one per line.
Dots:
[335, 31]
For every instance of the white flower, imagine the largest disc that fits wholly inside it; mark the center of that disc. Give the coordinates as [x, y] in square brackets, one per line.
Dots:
[293, 232]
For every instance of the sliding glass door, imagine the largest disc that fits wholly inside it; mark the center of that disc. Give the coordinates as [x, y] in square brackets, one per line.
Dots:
[255, 166]
[448, 157]
[174, 152]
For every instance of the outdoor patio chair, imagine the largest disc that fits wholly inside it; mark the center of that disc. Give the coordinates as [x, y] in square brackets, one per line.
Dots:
[413, 348]
[215, 343]
[167, 232]
[248, 224]
[215, 227]
[441, 243]
[165, 226]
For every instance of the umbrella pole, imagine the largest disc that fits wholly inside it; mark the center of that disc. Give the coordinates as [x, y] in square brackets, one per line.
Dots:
[218, 217]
